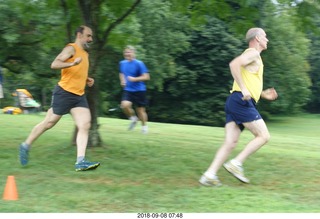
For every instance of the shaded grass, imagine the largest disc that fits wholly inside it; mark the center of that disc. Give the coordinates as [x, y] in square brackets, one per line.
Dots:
[159, 172]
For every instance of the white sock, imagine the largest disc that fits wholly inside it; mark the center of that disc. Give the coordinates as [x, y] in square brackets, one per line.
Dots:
[235, 162]
[26, 146]
[133, 118]
[210, 175]
[79, 159]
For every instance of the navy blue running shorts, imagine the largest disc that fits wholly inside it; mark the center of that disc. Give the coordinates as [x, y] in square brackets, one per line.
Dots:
[240, 111]
[63, 101]
[138, 98]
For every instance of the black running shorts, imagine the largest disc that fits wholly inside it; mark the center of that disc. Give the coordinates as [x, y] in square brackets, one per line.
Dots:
[63, 101]
[138, 98]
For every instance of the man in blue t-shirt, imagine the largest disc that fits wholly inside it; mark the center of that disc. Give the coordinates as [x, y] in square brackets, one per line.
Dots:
[133, 74]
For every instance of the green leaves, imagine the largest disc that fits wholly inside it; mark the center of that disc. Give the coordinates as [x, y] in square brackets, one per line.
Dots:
[186, 45]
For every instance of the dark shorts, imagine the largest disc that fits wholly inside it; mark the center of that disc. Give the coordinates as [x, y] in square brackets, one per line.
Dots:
[240, 111]
[63, 101]
[138, 98]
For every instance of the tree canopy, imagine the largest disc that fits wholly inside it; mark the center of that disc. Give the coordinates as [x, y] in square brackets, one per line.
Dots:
[186, 45]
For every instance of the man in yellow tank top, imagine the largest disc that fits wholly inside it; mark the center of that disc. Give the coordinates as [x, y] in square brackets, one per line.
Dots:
[241, 112]
[69, 97]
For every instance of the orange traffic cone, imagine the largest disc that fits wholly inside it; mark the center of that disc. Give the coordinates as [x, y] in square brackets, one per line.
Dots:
[10, 191]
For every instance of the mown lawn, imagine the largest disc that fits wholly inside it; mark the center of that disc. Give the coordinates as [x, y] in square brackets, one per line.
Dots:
[159, 172]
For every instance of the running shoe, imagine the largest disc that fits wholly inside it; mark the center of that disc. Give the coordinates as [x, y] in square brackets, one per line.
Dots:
[209, 182]
[133, 123]
[236, 171]
[23, 155]
[86, 165]
[144, 130]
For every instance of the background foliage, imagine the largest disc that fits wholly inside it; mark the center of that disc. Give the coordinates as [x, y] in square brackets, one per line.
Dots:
[186, 45]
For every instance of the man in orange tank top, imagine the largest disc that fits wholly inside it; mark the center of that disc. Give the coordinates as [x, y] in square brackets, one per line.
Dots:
[68, 97]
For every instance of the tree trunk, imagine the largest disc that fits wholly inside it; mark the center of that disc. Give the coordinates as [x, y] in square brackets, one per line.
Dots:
[94, 136]
[89, 12]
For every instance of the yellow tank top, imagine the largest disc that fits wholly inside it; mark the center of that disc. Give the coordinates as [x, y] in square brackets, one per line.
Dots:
[74, 79]
[252, 80]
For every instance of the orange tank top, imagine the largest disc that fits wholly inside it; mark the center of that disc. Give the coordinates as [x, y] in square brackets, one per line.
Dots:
[74, 79]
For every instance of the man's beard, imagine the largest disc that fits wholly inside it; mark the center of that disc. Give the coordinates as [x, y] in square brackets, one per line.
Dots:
[86, 46]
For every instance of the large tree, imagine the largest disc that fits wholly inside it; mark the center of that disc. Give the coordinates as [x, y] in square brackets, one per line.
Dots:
[28, 46]
[103, 17]
[35, 31]
[308, 20]
[286, 66]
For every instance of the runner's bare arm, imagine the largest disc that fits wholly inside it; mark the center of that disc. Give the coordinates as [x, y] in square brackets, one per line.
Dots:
[60, 61]
[235, 67]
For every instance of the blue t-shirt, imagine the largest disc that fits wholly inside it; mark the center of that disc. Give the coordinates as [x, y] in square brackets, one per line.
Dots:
[134, 68]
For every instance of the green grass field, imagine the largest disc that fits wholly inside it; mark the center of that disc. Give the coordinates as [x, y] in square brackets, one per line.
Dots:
[159, 172]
